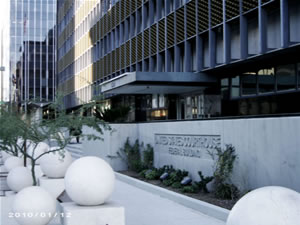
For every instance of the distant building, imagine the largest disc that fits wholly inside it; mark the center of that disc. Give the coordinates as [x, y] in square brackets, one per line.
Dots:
[33, 50]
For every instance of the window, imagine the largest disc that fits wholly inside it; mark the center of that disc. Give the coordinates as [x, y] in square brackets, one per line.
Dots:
[286, 77]
[249, 83]
[266, 80]
[298, 70]
[225, 88]
[235, 86]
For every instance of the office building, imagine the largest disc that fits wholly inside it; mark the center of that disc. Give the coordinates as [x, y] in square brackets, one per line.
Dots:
[33, 50]
[213, 72]
[181, 56]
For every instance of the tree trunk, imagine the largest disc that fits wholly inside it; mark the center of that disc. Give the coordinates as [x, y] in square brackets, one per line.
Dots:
[25, 151]
[33, 172]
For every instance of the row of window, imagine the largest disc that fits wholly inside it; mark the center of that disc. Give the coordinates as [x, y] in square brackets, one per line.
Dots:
[265, 81]
[127, 29]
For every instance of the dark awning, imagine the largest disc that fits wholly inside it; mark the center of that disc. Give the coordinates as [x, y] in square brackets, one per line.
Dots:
[157, 82]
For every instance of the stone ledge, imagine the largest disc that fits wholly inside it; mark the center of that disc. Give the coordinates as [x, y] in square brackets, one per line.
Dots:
[198, 205]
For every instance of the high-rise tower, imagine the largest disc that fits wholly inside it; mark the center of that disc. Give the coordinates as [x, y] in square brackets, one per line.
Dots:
[32, 50]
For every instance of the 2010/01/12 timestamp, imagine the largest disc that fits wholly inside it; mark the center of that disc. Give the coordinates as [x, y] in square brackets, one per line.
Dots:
[39, 214]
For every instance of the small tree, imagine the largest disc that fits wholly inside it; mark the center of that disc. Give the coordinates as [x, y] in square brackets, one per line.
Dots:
[16, 126]
[223, 168]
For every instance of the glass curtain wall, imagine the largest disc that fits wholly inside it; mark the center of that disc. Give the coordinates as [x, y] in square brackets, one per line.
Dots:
[32, 49]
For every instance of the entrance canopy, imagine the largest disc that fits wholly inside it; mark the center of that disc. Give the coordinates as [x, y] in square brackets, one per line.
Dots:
[157, 82]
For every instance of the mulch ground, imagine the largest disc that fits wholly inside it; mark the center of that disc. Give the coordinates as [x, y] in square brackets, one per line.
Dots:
[209, 198]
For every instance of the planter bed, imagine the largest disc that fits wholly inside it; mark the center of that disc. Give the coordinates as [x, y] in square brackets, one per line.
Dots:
[209, 198]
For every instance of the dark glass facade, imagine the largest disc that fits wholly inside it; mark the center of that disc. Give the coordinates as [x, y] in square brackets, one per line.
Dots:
[33, 49]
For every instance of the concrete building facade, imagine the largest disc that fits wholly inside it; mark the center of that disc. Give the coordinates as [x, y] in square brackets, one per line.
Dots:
[212, 71]
[242, 53]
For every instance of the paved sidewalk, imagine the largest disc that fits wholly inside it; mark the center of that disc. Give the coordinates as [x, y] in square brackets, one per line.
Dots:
[144, 208]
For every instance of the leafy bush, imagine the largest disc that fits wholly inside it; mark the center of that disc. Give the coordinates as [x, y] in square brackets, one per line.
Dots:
[176, 185]
[222, 173]
[175, 176]
[167, 182]
[143, 173]
[226, 191]
[202, 185]
[134, 159]
[133, 155]
[152, 175]
[148, 156]
[190, 189]
[166, 168]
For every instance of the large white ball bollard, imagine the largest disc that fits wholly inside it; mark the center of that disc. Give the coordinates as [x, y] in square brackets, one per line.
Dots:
[267, 206]
[13, 162]
[19, 178]
[39, 150]
[54, 164]
[33, 206]
[89, 181]
[5, 155]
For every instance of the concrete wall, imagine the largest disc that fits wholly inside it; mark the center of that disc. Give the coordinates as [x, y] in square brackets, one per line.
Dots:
[268, 149]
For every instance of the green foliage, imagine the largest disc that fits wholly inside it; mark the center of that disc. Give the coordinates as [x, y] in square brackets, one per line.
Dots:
[190, 189]
[17, 126]
[177, 185]
[167, 182]
[175, 176]
[133, 156]
[166, 168]
[143, 173]
[202, 185]
[222, 173]
[152, 175]
[148, 156]
[226, 191]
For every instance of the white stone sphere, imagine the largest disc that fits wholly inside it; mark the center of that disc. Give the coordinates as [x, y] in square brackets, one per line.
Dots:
[54, 165]
[41, 148]
[89, 181]
[267, 206]
[13, 162]
[19, 178]
[5, 155]
[34, 206]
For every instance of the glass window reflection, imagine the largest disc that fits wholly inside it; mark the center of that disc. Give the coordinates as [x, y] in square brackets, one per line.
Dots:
[286, 77]
[266, 80]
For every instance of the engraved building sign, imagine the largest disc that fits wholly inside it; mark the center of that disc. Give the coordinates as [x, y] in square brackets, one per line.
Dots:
[186, 145]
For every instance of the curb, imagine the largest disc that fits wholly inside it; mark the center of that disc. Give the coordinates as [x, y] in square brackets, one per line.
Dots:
[198, 205]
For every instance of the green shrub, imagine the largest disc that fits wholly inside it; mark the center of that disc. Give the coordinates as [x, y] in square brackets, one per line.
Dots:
[143, 173]
[190, 189]
[222, 173]
[226, 191]
[133, 156]
[175, 176]
[167, 182]
[152, 175]
[202, 185]
[148, 156]
[177, 185]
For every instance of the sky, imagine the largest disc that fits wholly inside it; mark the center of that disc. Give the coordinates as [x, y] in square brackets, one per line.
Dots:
[4, 6]
[4, 26]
